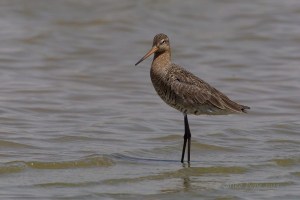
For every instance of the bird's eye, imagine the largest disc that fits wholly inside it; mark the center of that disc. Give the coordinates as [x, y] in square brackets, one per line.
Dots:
[162, 42]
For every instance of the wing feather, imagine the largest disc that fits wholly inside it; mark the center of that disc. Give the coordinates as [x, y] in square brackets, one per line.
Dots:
[196, 92]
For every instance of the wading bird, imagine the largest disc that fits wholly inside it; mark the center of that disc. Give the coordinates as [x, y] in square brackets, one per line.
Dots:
[184, 91]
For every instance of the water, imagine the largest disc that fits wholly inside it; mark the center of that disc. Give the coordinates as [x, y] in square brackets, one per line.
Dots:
[79, 121]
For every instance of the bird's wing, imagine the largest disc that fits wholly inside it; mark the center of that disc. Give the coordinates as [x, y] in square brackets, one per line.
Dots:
[193, 90]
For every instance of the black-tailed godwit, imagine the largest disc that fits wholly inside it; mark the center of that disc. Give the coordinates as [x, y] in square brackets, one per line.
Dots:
[184, 91]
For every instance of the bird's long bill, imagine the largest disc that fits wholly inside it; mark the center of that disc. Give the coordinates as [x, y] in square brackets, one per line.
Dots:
[153, 50]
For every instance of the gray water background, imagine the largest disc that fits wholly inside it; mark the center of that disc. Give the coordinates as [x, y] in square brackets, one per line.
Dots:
[80, 121]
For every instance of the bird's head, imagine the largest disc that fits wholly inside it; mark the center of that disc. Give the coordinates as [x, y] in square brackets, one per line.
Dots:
[160, 44]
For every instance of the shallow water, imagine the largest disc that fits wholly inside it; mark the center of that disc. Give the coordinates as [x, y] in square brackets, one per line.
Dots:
[79, 121]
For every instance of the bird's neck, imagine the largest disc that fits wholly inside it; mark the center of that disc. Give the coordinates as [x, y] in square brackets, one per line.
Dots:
[162, 60]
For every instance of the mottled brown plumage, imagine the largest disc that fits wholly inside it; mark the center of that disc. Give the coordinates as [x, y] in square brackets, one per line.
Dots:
[182, 90]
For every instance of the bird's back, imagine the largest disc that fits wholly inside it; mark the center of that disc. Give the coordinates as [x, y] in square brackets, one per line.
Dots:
[189, 94]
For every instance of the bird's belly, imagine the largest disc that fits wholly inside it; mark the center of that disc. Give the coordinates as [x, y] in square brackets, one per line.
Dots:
[204, 109]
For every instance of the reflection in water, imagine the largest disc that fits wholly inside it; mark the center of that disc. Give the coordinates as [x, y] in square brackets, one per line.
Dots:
[186, 183]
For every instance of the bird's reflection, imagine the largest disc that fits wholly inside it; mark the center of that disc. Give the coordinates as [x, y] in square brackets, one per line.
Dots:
[186, 182]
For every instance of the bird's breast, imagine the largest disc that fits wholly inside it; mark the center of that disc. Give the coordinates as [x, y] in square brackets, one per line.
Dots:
[162, 86]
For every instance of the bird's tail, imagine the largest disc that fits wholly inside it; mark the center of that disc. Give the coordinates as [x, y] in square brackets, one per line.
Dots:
[244, 108]
[234, 106]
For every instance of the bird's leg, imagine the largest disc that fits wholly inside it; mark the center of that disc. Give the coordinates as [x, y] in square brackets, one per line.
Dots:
[189, 135]
[187, 138]
[183, 148]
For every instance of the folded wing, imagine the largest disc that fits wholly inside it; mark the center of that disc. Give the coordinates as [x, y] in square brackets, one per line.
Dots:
[196, 93]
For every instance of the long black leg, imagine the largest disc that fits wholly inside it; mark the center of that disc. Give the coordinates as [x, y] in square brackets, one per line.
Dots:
[187, 138]
[183, 148]
[189, 135]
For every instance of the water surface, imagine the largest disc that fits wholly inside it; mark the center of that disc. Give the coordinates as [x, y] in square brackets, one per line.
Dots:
[80, 121]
